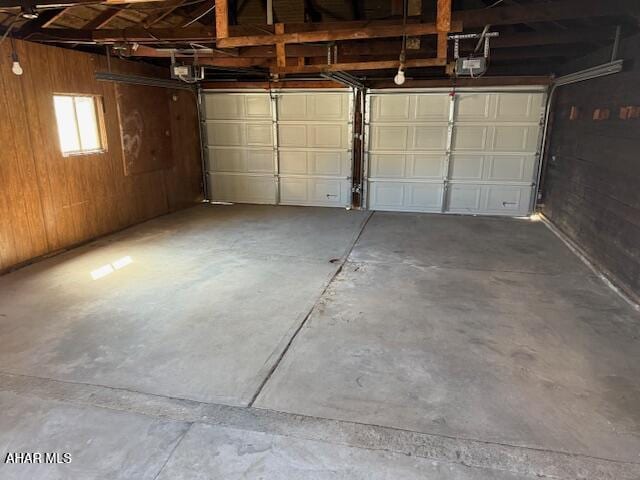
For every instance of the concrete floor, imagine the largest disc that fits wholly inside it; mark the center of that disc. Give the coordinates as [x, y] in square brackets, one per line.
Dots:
[297, 342]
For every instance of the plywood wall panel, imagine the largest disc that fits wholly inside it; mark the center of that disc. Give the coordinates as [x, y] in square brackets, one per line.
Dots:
[22, 230]
[72, 199]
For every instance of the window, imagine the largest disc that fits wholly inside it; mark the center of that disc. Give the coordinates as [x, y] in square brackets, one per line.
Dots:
[79, 124]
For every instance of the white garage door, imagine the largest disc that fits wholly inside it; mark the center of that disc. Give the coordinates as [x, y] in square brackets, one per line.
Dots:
[291, 148]
[239, 137]
[314, 148]
[473, 152]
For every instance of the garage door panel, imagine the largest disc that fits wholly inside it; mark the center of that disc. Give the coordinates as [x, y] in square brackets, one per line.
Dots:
[226, 160]
[239, 137]
[329, 107]
[406, 196]
[314, 107]
[313, 136]
[430, 138]
[473, 107]
[399, 108]
[464, 198]
[407, 166]
[388, 108]
[329, 163]
[518, 107]
[294, 162]
[314, 191]
[258, 106]
[426, 166]
[259, 134]
[470, 137]
[224, 106]
[423, 196]
[239, 134]
[507, 200]
[492, 159]
[314, 148]
[432, 108]
[242, 188]
[328, 136]
[388, 165]
[512, 168]
[224, 134]
[489, 199]
[467, 167]
[515, 138]
[334, 163]
[390, 138]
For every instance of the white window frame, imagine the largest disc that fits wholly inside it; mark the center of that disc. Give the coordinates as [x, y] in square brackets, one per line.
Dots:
[98, 112]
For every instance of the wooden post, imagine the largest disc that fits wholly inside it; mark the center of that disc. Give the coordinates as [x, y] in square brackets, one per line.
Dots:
[281, 54]
[443, 25]
[222, 19]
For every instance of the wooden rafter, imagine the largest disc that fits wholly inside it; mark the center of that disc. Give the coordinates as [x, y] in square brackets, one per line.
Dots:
[222, 19]
[355, 66]
[103, 19]
[281, 54]
[385, 31]
[443, 25]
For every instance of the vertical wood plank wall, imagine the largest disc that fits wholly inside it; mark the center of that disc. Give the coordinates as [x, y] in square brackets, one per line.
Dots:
[591, 186]
[49, 201]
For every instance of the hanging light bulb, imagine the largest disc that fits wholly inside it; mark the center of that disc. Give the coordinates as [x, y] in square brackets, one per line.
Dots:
[16, 68]
[399, 78]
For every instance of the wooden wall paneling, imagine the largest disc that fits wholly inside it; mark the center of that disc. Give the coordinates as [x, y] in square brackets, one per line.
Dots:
[37, 87]
[145, 128]
[184, 179]
[22, 231]
[64, 201]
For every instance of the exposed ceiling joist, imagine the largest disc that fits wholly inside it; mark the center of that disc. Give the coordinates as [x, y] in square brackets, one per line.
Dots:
[356, 66]
[382, 31]
[222, 19]
[103, 19]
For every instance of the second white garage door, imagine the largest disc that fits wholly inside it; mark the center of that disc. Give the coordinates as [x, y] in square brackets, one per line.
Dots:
[474, 152]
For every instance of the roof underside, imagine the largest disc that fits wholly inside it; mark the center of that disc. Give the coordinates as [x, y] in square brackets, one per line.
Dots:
[536, 37]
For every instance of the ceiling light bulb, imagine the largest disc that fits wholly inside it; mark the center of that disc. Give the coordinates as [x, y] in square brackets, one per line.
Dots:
[399, 78]
[16, 68]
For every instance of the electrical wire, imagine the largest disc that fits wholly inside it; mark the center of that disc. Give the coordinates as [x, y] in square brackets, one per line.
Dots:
[199, 16]
[9, 28]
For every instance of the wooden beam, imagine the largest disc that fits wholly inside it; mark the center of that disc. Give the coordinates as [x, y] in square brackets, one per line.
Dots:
[137, 34]
[235, 62]
[333, 35]
[443, 25]
[485, 81]
[282, 83]
[222, 19]
[443, 19]
[281, 54]
[103, 18]
[376, 65]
